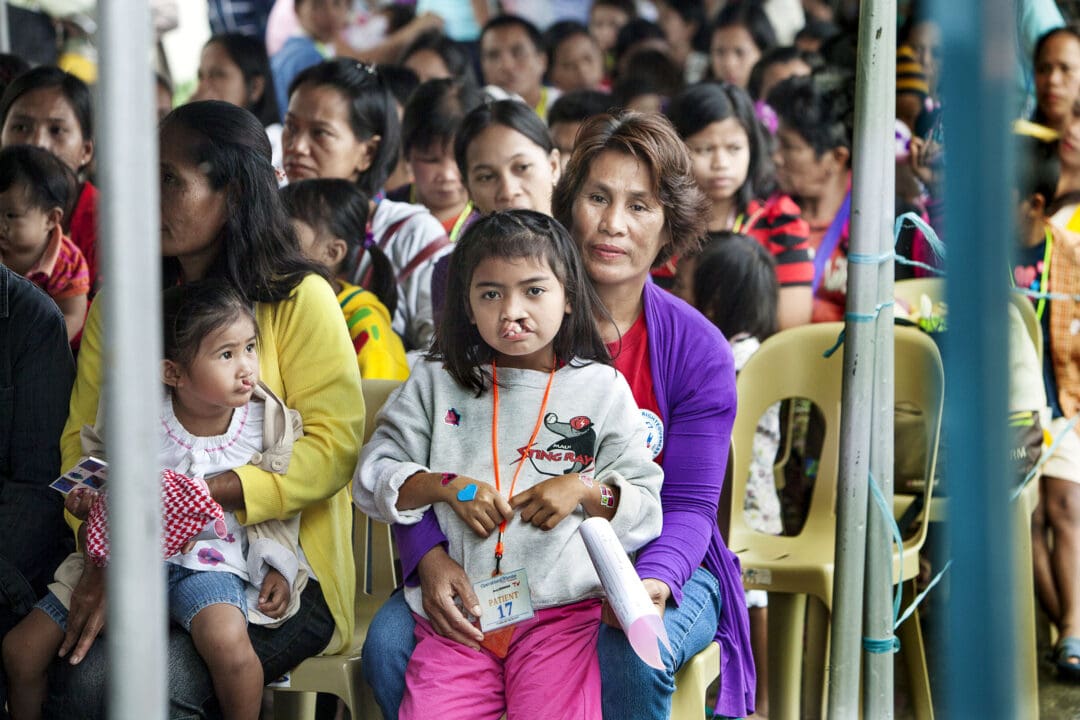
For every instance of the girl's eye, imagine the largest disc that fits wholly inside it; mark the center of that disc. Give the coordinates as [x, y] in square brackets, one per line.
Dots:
[597, 198]
[483, 177]
[57, 130]
[227, 355]
[250, 347]
[535, 291]
[523, 167]
[734, 149]
[490, 295]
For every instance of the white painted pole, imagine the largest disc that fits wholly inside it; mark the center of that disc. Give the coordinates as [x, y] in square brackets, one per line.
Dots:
[5, 29]
[132, 266]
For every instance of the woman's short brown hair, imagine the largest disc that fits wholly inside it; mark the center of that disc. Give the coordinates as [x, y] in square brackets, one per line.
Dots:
[651, 139]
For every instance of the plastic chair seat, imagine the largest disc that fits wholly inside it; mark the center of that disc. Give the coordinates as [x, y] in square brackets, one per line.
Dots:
[692, 682]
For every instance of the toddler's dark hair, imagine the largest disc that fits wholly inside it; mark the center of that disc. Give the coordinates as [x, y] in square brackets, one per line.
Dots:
[514, 234]
[47, 181]
[194, 310]
[454, 55]
[338, 208]
[735, 285]
[435, 112]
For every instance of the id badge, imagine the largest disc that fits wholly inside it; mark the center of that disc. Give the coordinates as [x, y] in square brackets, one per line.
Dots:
[504, 600]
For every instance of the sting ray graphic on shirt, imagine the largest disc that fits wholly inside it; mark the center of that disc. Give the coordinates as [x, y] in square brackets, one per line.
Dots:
[573, 451]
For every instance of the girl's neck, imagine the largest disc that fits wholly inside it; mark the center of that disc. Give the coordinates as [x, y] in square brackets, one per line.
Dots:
[540, 361]
[204, 421]
[822, 208]
[624, 302]
[723, 215]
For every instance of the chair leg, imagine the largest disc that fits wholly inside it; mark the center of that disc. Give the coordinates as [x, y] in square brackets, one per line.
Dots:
[294, 705]
[815, 672]
[787, 617]
[1027, 666]
[913, 650]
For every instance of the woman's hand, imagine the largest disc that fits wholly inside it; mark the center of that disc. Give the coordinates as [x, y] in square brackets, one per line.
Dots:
[79, 501]
[274, 594]
[442, 580]
[227, 490]
[86, 617]
[484, 512]
[546, 504]
[659, 593]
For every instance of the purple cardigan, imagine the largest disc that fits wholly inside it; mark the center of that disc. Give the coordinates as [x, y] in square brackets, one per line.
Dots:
[694, 382]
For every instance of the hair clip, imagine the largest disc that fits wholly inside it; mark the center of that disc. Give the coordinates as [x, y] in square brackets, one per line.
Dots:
[369, 240]
[766, 116]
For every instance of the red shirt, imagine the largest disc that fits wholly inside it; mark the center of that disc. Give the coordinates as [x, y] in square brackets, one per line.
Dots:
[631, 358]
[83, 230]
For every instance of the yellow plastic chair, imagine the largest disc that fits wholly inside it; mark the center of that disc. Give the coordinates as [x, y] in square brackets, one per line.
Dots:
[1031, 321]
[376, 578]
[912, 290]
[791, 365]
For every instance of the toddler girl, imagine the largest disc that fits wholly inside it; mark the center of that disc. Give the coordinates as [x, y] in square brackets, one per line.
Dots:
[210, 422]
[330, 217]
[36, 189]
[515, 411]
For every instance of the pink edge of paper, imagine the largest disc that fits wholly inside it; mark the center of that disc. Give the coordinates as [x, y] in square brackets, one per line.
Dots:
[645, 635]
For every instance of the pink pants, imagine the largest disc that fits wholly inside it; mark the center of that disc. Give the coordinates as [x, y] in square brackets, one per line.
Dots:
[551, 671]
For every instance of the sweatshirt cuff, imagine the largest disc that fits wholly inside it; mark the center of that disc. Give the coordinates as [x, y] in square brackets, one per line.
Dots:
[387, 494]
[265, 554]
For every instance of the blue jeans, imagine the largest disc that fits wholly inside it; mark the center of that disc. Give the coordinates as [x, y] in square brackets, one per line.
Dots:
[79, 691]
[631, 689]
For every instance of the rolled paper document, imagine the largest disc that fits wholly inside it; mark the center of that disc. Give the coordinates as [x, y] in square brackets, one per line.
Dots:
[625, 592]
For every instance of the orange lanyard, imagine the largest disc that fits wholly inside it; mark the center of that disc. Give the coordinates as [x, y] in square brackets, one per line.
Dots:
[525, 454]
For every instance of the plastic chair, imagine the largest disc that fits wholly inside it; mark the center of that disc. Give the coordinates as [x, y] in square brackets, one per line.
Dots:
[910, 291]
[376, 578]
[790, 365]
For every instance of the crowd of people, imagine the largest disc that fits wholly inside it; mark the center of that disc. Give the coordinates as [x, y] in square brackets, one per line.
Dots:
[593, 213]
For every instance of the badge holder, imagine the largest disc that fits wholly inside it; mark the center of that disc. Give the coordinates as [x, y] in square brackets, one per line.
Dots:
[505, 604]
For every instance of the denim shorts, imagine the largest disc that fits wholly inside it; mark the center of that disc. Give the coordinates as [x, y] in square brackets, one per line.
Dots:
[190, 591]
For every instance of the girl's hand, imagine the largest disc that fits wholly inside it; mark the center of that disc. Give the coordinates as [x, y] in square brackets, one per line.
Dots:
[86, 617]
[274, 594]
[925, 155]
[484, 512]
[79, 501]
[442, 580]
[545, 505]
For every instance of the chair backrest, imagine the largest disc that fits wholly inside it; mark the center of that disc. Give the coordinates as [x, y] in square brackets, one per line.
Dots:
[912, 289]
[791, 364]
[1031, 321]
[373, 548]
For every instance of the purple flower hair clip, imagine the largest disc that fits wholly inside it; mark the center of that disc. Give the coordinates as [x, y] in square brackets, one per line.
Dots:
[766, 116]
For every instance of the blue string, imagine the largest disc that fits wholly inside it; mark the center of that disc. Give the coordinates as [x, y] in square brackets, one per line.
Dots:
[921, 596]
[1037, 295]
[886, 645]
[855, 317]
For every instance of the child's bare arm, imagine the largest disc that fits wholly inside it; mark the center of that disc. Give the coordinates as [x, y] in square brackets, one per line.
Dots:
[274, 594]
[478, 504]
[74, 310]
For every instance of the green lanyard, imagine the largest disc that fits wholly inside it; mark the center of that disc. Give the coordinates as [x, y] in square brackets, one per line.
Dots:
[1043, 287]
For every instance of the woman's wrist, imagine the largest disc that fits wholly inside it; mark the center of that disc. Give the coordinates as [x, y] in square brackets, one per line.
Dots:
[227, 490]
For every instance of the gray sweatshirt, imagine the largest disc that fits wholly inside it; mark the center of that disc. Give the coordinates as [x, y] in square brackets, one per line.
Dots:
[591, 423]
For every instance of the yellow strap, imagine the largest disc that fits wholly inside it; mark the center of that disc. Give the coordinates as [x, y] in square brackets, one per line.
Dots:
[1074, 222]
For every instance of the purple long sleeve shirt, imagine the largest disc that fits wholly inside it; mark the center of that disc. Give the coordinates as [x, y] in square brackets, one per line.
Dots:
[694, 382]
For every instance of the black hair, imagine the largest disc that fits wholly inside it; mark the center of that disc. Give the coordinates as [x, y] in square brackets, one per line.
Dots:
[371, 111]
[648, 71]
[513, 234]
[194, 310]
[338, 208]
[692, 12]
[398, 15]
[249, 54]
[735, 285]
[627, 6]
[513, 114]
[402, 81]
[45, 179]
[1038, 169]
[635, 31]
[820, 108]
[701, 105]
[454, 55]
[779, 56]
[559, 33]
[11, 67]
[259, 253]
[750, 15]
[505, 21]
[72, 88]
[578, 106]
[435, 112]
[820, 30]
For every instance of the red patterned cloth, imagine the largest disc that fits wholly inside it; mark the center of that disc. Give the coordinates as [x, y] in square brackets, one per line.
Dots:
[186, 508]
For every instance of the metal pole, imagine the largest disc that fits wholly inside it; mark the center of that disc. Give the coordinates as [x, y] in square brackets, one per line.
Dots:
[977, 42]
[871, 200]
[874, 191]
[130, 228]
[5, 29]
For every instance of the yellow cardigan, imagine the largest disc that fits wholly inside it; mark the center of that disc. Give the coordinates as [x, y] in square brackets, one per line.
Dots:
[306, 357]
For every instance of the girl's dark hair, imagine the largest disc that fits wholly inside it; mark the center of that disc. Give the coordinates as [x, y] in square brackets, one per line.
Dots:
[45, 179]
[435, 112]
[401, 80]
[259, 252]
[11, 67]
[72, 88]
[249, 54]
[735, 285]
[513, 114]
[194, 310]
[697, 107]
[514, 234]
[748, 14]
[578, 106]
[647, 71]
[651, 140]
[559, 33]
[371, 111]
[1070, 30]
[337, 208]
[779, 56]
[454, 55]
[820, 30]
[1038, 170]
[635, 31]
[820, 108]
[692, 12]
[627, 6]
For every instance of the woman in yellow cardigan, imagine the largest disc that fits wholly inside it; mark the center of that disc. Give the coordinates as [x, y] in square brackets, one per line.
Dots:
[221, 216]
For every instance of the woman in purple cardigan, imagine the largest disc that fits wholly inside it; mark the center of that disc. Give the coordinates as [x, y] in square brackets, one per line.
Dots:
[628, 194]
